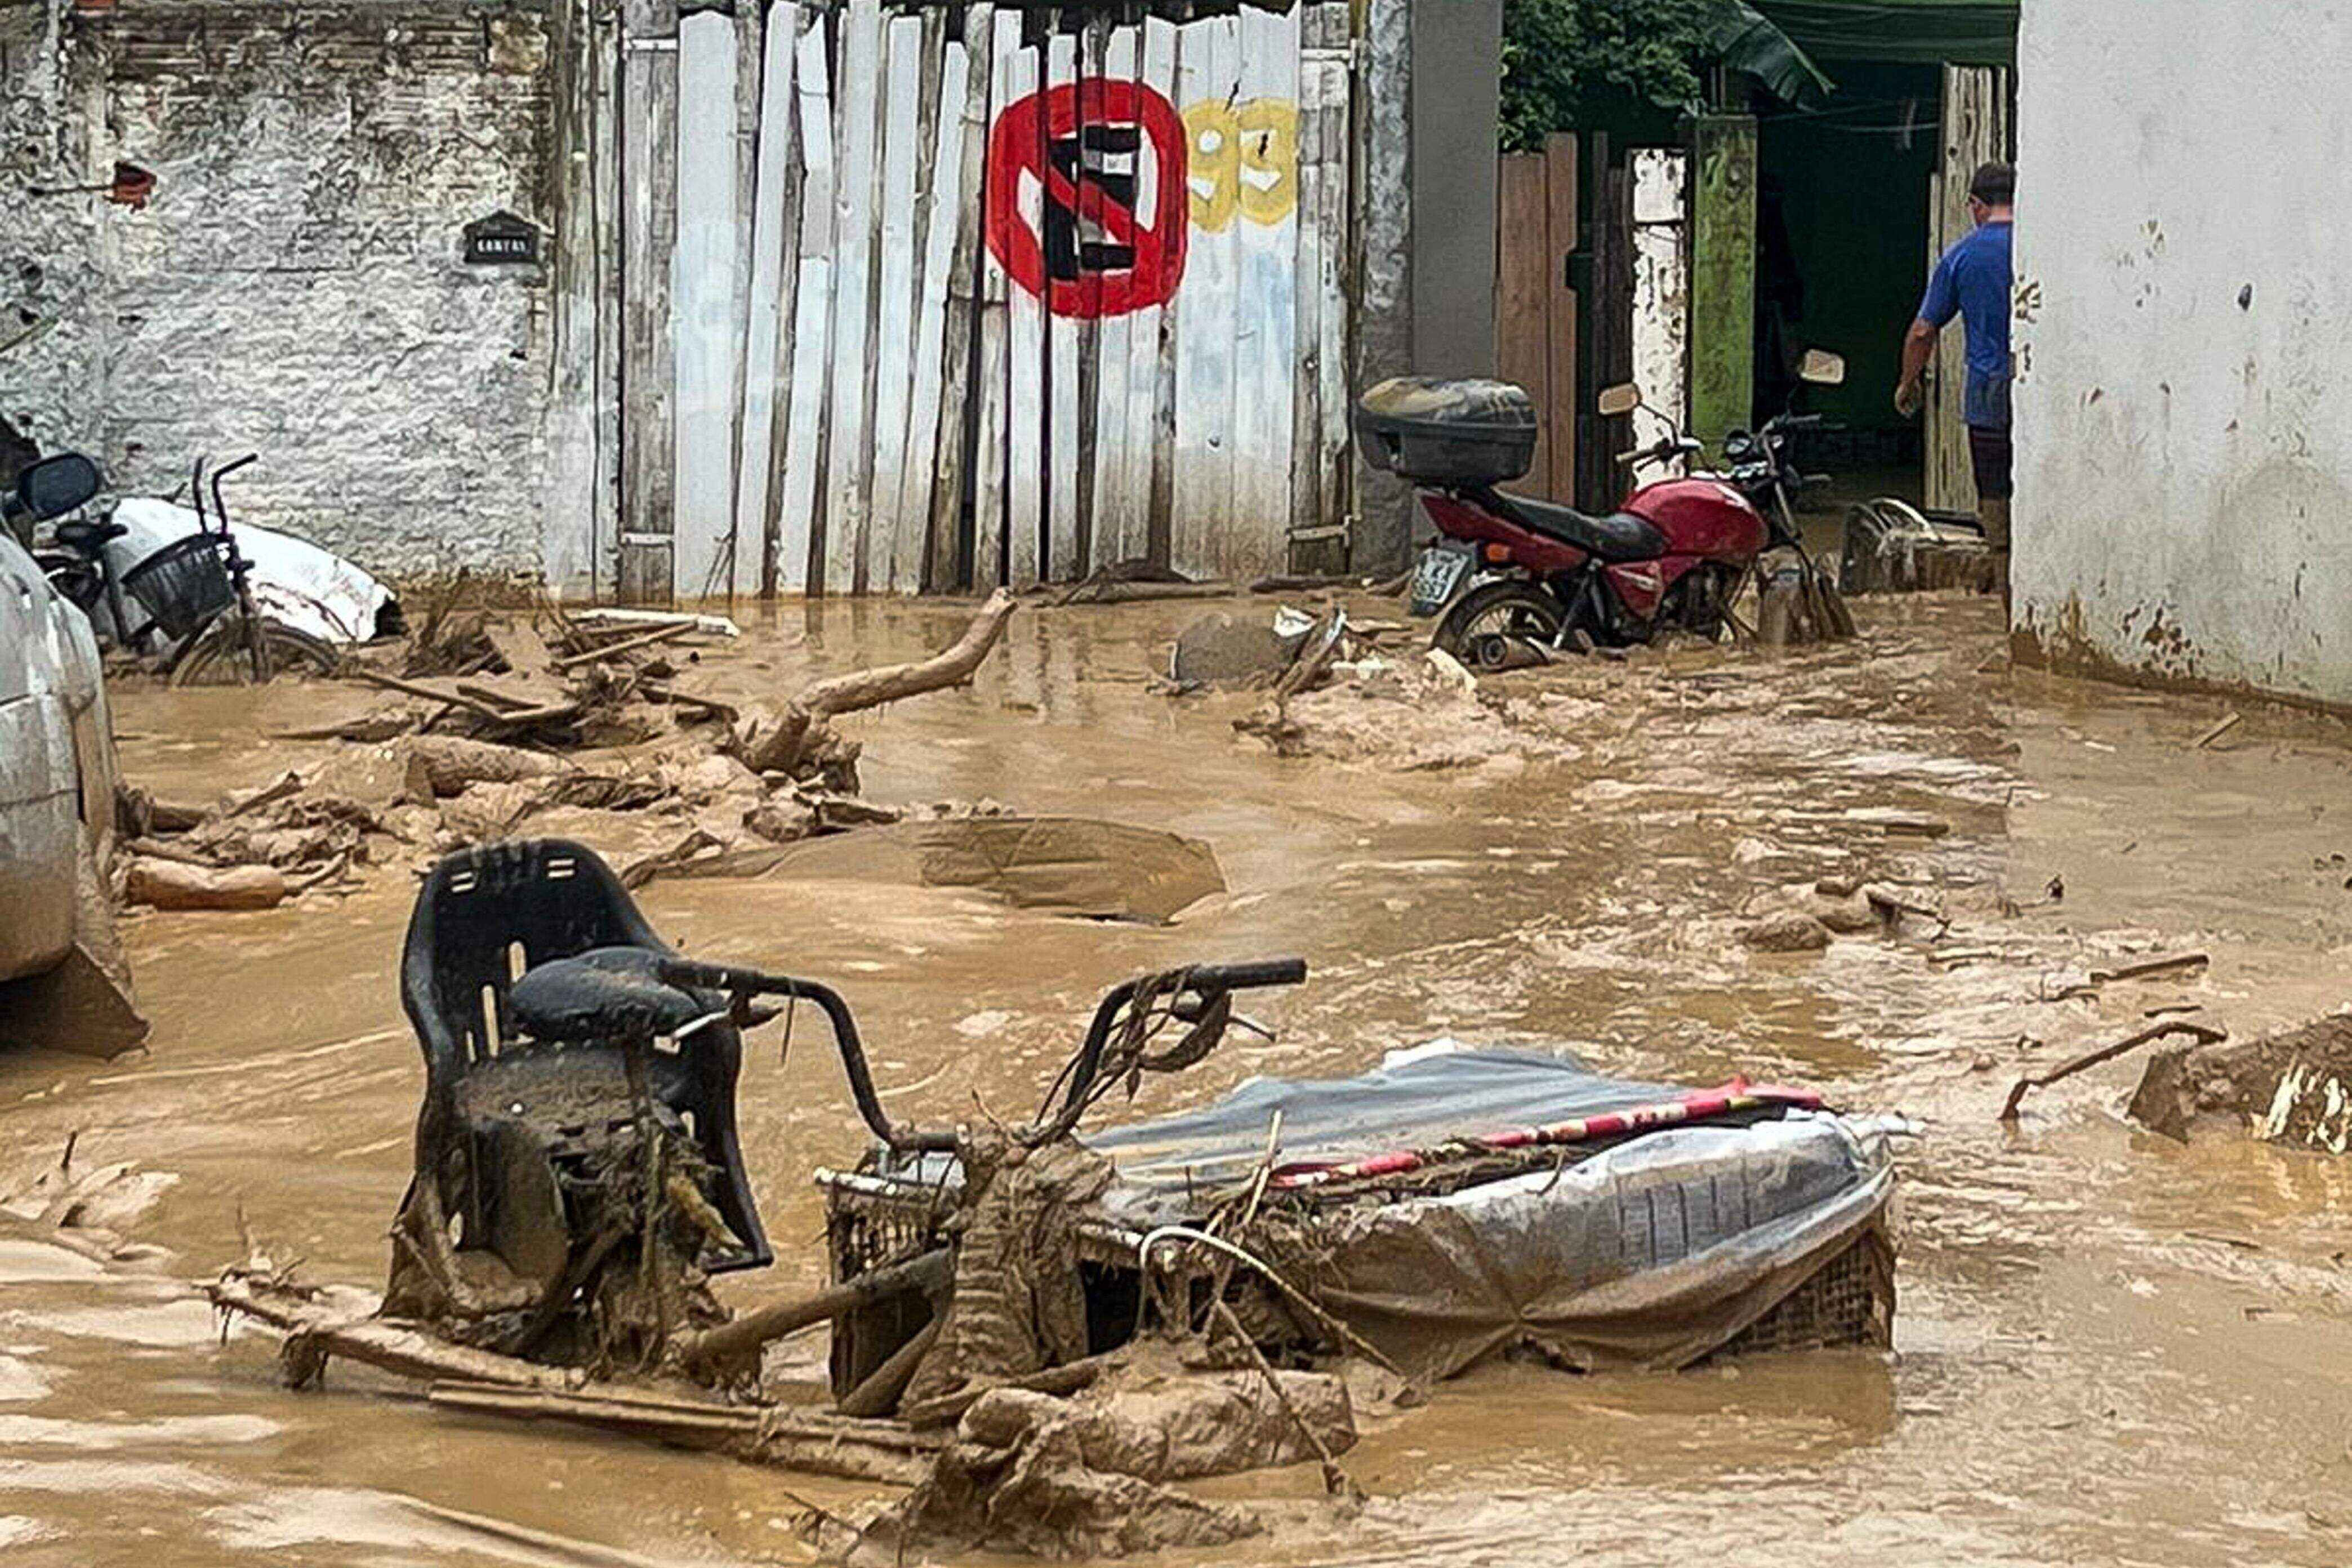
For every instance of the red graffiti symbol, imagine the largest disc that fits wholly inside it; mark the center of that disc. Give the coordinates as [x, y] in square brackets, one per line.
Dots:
[1085, 144]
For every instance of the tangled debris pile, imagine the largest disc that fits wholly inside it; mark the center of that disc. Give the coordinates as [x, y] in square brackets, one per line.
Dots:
[1090, 1474]
[577, 718]
[86, 1209]
[253, 851]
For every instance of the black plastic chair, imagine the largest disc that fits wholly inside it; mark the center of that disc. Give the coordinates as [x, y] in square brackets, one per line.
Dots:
[487, 915]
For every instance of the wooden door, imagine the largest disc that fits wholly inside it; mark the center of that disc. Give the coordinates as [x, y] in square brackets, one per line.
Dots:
[1975, 131]
[1536, 310]
[648, 137]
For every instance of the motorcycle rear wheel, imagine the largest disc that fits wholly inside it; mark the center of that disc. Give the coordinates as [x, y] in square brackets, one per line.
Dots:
[1484, 626]
[221, 655]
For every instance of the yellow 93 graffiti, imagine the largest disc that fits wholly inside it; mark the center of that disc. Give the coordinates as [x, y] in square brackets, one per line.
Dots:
[1243, 158]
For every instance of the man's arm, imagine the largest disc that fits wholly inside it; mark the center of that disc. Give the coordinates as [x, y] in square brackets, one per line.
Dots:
[1937, 310]
[1918, 350]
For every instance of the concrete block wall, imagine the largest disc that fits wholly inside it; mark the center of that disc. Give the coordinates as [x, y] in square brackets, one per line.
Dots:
[296, 288]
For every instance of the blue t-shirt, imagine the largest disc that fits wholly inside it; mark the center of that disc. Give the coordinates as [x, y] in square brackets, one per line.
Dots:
[1972, 282]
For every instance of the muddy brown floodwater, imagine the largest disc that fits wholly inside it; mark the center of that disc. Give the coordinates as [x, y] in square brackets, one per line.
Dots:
[2110, 1349]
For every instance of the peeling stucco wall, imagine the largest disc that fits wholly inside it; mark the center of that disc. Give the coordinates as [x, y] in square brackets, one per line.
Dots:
[51, 350]
[2184, 404]
[297, 288]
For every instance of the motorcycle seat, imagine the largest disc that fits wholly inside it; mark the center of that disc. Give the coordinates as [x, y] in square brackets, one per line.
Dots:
[605, 994]
[88, 538]
[1620, 536]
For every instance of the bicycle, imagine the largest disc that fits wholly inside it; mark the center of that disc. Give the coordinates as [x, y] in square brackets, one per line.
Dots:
[196, 592]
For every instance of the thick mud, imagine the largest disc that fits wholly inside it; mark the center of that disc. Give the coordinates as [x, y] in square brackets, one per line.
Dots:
[2110, 1347]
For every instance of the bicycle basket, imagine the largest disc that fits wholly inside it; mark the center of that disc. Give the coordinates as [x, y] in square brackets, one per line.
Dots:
[182, 585]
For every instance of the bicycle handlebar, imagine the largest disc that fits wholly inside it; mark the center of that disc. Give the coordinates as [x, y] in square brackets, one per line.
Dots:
[1249, 977]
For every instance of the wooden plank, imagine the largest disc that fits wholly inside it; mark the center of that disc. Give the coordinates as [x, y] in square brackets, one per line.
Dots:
[800, 539]
[907, 63]
[583, 238]
[1256, 539]
[942, 217]
[751, 33]
[1208, 83]
[1975, 131]
[649, 227]
[1332, 56]
[1146, 439]
[1019, 72]
[703, 284]
[849, 446]
[1065, 561]
[944, 566]
[1523, 281]
[990, 549]
[769, 298]
[1560, 313]
[1305, 513]
[1113, 509]
[1390, 521]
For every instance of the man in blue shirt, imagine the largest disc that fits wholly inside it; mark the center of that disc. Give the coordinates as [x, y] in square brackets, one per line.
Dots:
[1972, 282]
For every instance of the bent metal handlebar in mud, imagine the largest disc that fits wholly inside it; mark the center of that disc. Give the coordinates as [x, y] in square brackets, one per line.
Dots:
[1207, 982]
[1247, 976]
[743, 983]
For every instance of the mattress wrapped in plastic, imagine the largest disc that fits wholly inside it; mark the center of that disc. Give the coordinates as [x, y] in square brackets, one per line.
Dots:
[1669, 1220]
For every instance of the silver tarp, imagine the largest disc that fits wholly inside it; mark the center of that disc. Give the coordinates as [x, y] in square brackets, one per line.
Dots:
[1650, 1253]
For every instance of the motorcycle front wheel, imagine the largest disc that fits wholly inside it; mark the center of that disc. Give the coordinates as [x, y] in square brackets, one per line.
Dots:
[222, 657]
[1499, 625]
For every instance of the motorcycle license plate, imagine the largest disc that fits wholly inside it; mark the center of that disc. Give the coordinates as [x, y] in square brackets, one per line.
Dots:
[1437, 576]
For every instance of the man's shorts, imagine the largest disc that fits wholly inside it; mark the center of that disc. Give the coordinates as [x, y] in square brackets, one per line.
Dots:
[1988, 454]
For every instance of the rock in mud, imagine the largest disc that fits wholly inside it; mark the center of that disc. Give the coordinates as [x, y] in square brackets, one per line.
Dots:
[1218, 650]
[1851, 915]
[1792, 932]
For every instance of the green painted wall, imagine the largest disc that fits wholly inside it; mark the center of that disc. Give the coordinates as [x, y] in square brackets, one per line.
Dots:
[1723, 274]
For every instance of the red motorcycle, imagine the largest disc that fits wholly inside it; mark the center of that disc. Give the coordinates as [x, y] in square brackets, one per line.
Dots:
[1509, 571]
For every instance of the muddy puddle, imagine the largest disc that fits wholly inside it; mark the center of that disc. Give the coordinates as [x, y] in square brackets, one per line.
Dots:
[2110, 1348]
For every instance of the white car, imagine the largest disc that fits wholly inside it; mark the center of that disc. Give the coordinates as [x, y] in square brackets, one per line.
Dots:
[58, 954]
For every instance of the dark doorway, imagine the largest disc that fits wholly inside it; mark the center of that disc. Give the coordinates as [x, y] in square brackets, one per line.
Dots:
[1841, 259]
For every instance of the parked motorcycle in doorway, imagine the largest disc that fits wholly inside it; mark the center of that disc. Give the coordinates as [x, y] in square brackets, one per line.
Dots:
[1511, 574]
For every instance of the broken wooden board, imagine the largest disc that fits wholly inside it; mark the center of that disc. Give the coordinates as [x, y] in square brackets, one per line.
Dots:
[1062, 864]
[815, 1441]
[323, 1323]
[2292, 1088]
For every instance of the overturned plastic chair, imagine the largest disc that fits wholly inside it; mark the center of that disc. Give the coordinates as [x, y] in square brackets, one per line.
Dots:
[530, 977]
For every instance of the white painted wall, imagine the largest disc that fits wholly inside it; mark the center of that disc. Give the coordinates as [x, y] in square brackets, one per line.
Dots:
[2184, 407]
[1662, 282]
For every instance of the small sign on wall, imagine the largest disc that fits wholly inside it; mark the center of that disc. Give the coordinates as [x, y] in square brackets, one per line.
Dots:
[501, 239]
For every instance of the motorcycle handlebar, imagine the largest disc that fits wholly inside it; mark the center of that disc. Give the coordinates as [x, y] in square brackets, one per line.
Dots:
[1667, 449]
